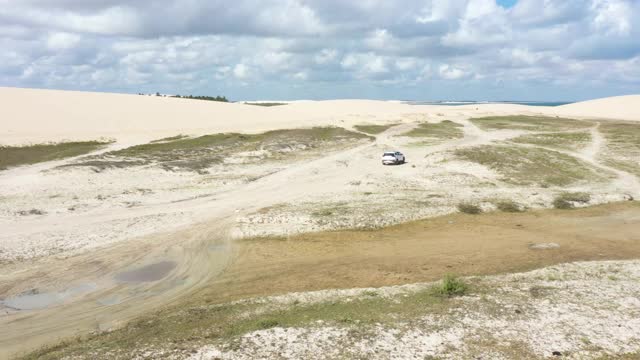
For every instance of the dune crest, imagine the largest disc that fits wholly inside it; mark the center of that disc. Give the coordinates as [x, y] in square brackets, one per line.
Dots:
[618, 107]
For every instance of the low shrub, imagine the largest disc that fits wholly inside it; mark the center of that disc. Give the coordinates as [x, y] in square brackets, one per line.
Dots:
[568, 200]
[509, 206]
[469, 208]
[451, 286]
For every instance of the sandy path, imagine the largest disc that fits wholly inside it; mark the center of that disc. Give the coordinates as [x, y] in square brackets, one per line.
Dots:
[202, 249]
[624, 181]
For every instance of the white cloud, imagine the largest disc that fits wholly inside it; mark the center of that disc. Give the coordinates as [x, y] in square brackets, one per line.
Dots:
[449, 72]
[612, 16]
[241, 71]
[326, 56]
[62, 41]
[215, 46]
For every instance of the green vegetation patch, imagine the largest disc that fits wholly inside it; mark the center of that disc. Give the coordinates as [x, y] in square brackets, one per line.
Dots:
[30, 154]
[180, 329]
[444, 130]
[451, 286]
[532, 166]
[569, 140]
[623, 145]
[199, 153]
[530, 123]
[373, 129]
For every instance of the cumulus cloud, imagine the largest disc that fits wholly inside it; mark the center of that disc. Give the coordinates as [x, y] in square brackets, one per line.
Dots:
[322, 45]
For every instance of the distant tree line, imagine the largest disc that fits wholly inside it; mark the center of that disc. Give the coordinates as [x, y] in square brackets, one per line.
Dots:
[208, 98]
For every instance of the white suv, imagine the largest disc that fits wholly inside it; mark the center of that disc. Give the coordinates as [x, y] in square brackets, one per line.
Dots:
[392, 157]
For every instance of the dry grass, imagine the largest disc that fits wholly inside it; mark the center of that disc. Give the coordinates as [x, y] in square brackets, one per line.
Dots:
[185, 329]
[532, 166]
[200, 153]
[171, 138]
[444, 130]
[530, 123]
[373, 129]
[623, 145]
[568, 141]
[11, 156]
[275, 266]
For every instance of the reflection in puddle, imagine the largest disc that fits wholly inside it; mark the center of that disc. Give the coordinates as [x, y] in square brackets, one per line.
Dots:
[153, 272]
[35, 300]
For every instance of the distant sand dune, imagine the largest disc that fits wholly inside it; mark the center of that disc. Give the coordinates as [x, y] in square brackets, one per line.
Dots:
[32, 116]
[618, 107]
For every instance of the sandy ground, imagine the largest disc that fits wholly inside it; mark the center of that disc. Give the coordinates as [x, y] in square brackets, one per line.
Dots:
[91, 226]
[586, 310]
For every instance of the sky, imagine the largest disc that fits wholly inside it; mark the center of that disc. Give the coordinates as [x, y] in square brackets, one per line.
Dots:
[544, 50]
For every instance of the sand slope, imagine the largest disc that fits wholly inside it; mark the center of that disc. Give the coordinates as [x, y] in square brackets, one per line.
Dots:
[49, 115]
[32, 116]
[618, 107]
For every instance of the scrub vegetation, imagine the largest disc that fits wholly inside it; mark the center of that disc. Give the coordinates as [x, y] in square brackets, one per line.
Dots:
[444, 130]
[623, 145]
[532, 166]
[564, 141]
[199, 153]
[11, 156]
[569, 200]
[373, 129]
[529, 123]
[190, 328]
[266, 104]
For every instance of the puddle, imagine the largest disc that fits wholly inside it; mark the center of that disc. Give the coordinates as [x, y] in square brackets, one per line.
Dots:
[109, 301]
[35, 300]
[217, 247]
[148, 273]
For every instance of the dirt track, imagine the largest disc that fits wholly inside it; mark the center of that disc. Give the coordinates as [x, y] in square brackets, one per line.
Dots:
[82, 293]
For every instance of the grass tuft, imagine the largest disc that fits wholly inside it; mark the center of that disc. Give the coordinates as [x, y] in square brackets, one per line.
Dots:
[468, 208]
[509, 206]
[567, 201]
[11, 156]
[451, 286]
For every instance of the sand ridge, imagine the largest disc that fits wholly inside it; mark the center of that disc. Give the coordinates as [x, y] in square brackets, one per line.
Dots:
[34, 116]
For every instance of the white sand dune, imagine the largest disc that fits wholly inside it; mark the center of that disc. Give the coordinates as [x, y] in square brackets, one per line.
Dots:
[32, 116]
[618, 107]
